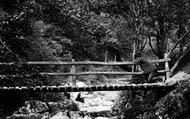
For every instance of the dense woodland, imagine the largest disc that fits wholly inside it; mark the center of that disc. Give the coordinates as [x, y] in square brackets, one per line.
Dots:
[83, 30]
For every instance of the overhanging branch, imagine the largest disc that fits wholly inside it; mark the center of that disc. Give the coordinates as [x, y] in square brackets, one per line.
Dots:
[9, 49]
[143, 46]
[169, 53]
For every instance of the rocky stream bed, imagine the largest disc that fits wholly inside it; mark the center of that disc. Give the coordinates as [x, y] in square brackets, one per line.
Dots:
[96, 105]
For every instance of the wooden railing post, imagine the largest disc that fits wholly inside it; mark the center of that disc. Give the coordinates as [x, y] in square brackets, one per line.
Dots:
[133, 55]
[166, 67]
[72, 79]
[106, 56]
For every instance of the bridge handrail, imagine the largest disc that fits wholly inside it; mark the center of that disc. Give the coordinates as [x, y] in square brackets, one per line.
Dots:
[81, 73]
[74, 73]
[97, 73]
[79, 62]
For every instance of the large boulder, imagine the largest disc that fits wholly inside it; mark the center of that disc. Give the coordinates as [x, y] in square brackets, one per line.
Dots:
[60, 115]
[32, 110]
[40, 110]
[33, 106]
[62, 106]
[29, 116]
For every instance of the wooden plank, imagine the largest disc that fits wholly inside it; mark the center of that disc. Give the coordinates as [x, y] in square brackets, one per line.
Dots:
[97, 73]
[78, 63]
[151, 86]
[72, 79]
[78, 74]
[166, 67]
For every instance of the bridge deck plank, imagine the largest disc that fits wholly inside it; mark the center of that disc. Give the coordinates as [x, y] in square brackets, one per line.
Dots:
[146, 86]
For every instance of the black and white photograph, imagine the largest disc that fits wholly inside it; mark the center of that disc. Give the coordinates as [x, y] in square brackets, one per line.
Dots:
[94, 59]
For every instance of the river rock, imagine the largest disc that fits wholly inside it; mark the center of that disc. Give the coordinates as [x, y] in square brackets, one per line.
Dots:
[33, 106]
[63, 106]
[60, 115]
[30, 116]
[101, 118]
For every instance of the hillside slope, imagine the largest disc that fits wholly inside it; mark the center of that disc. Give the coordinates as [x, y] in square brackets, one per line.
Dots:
[176, 104]
[181, 69]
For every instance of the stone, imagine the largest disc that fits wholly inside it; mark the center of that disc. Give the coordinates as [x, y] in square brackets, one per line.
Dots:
[60, 115]
[32, 110]
[27, 116]
[33, 106]
[101, 118]
[63, 106]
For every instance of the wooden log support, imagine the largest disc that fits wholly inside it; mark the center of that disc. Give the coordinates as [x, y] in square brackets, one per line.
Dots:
[78, 74]
[73, 73]
[72, 78]
[78, 63]
[153, 86]
[167, 67]
[97, 73]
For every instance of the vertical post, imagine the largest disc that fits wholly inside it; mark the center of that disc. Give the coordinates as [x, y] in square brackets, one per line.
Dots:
[72, 79]
[134, 51]
[106, 56]
[166, 66]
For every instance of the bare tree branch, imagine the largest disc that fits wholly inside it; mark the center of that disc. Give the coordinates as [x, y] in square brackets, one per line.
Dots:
[9, 50]
[143, 46]
[169, 53]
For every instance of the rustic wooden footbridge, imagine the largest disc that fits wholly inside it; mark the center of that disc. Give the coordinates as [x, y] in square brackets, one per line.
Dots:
[145, 86]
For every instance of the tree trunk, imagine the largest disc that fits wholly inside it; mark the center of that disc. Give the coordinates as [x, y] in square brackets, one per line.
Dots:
[134, 51]
[106, 56]
[161, 39]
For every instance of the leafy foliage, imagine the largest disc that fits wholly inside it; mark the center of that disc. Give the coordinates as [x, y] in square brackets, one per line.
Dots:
[135, 104]
[176, 104]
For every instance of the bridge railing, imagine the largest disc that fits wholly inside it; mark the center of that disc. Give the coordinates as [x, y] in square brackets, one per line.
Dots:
[73, 73]
[77, 63]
